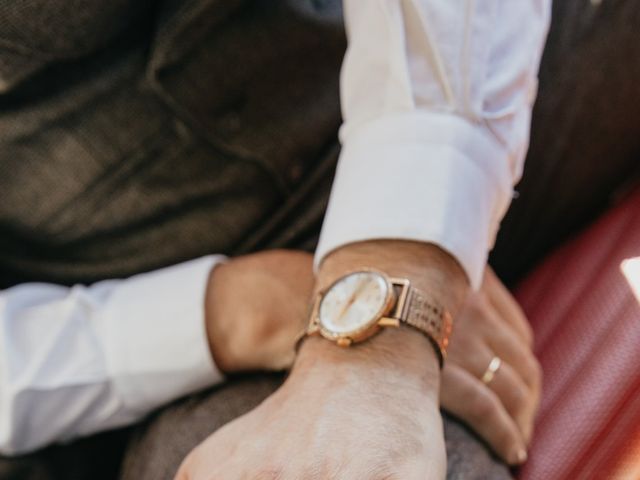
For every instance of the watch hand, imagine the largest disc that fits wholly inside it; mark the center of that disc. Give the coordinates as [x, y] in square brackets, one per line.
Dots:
[353, 297]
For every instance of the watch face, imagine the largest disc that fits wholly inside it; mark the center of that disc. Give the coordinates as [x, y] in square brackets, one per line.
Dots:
[353, 303]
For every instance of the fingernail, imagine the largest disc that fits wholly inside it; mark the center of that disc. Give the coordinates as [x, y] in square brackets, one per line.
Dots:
[521, 456]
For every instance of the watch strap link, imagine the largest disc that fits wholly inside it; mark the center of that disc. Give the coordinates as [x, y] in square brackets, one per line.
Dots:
[430, 318]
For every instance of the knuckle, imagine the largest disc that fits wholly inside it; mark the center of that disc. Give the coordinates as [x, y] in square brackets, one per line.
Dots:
[533, 373]
[480, 306]
[520, 398]
[478, 313]
[483, 406]
[528, 332]
[475, 304]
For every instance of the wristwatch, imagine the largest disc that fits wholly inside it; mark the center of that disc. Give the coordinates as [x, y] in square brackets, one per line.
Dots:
[361, 303]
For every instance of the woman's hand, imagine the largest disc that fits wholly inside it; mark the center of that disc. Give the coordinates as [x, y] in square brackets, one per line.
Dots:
[256, 308]
[491, 324]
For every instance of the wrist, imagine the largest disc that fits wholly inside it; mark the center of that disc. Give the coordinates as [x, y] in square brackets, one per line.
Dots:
[238, 333]
[393, 355]
[256, 308]
[429, 268]
[220, 331]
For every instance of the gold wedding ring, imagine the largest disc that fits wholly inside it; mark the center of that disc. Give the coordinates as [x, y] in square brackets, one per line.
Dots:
[491, 370]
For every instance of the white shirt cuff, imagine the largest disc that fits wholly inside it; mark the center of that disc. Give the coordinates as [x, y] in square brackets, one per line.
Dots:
[156, 336]
[424, 176]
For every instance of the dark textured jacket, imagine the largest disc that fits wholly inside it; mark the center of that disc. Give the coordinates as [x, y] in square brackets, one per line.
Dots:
[138, 133]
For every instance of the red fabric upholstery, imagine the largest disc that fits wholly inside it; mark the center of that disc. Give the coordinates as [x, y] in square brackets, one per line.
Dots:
[587, 324]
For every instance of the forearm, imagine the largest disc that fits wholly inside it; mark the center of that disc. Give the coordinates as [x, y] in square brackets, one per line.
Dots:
[76, 361]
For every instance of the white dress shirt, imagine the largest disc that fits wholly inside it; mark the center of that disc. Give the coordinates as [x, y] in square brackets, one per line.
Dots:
[436, 97]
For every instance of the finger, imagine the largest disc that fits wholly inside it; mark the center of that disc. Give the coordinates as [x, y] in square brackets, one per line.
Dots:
[514, 394]
[516, 397]
[507, 345]
[467, 398]
[507, 306]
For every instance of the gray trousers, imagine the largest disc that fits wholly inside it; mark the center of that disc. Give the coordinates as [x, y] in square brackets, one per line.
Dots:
[215, 131]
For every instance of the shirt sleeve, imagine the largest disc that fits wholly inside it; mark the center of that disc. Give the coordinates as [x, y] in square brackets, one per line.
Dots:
[436, 100]
[75, 361]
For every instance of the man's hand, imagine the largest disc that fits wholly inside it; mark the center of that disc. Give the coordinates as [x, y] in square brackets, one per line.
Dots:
[492, 324]
[368, 412]
[256, 307]
[365, 412]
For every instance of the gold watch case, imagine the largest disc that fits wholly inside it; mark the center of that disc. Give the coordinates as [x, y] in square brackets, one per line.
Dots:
[388, 315]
